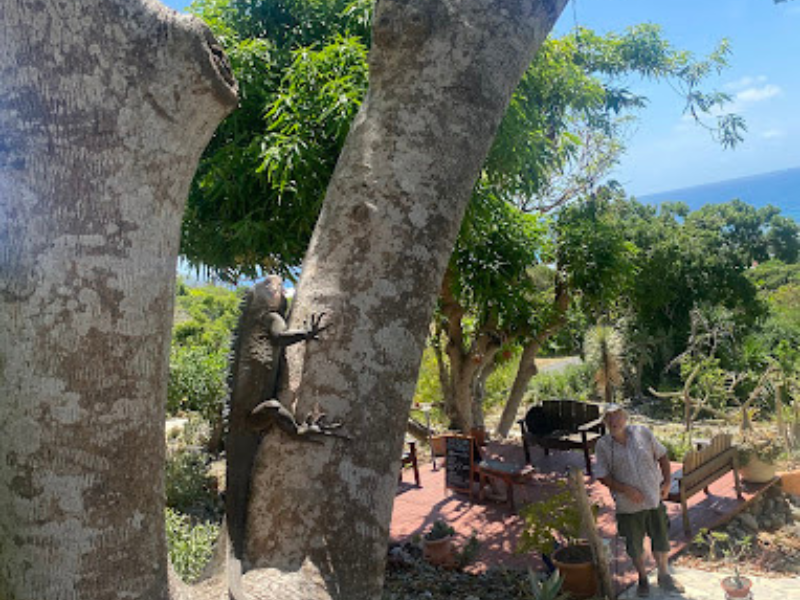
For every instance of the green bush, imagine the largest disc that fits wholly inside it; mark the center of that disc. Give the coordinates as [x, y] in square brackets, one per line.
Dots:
[205, 316]
[190, 545]
[677, 446]
[189, 489]
[573, 382]
[498, 386]
[197, 381]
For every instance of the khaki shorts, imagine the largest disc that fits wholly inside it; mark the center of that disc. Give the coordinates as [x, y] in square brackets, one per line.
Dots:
[634, 526]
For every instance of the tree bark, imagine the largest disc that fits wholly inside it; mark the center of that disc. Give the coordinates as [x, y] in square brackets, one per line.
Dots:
[488, 366]
[465, 362]
[105, 107]
[527, 370]
[441, 75]
[527, 363]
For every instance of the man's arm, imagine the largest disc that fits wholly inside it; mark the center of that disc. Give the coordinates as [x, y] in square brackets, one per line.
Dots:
[666, 473]
[623, 488]
[660, 452]
[604, 470]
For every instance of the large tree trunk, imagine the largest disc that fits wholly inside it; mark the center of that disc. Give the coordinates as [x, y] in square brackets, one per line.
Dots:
[105, 107]
[441, 74]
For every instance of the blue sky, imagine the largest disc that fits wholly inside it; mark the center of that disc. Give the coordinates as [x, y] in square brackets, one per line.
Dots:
[665, 150]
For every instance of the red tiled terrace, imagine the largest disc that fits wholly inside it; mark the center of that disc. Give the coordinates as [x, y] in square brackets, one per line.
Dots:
[498, 527]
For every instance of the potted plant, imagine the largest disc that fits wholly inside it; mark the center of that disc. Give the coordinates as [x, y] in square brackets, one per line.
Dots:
[552, 527]
[437, 544]
[737, 586]
[720, 544]
[757, 458]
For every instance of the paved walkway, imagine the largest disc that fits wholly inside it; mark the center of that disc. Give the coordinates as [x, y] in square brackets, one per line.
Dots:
[705, 585]
[498, 527]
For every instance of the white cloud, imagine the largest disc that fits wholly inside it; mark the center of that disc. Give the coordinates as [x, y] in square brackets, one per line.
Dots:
[746, 82]
[758, 94]
[773, 133]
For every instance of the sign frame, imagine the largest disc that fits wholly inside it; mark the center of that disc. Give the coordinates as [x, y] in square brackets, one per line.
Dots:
[456, 459]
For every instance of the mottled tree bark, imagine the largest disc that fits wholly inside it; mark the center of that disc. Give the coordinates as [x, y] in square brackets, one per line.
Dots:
[441, 75]
[105, 107]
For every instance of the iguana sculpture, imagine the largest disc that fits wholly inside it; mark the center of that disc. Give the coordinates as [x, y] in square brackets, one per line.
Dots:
[256, 362]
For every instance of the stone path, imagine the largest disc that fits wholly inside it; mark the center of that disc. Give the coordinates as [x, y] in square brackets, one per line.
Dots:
[705, 585]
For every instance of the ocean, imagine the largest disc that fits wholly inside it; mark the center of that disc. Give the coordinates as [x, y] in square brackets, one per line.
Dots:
[780, 189]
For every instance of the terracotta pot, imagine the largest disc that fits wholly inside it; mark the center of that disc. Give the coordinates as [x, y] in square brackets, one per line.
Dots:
[734, 591]
[439, 552]
[580, 578]
[757, 471]
[438, 445]
[479, 434]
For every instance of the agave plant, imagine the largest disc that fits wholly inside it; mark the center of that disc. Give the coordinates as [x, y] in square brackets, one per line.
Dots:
[548, 588]
[604, 349]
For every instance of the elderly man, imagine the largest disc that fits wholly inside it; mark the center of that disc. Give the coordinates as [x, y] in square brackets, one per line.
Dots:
[634, 465]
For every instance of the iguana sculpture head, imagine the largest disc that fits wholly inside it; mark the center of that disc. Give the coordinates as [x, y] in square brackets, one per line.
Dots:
[269, 294]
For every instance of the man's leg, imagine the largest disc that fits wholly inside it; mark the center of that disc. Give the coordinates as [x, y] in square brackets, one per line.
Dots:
[632, 528]
[658, 530]
[662, 563]
[641, 569]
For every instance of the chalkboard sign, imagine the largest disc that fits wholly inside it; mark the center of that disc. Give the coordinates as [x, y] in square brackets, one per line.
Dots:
[458, 463]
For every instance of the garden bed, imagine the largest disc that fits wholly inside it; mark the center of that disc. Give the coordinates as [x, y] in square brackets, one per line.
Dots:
[410, 577]
[764, 540]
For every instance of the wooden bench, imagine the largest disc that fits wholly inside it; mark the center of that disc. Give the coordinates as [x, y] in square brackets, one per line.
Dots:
[562, 425]
[700, 469]
[510, 474]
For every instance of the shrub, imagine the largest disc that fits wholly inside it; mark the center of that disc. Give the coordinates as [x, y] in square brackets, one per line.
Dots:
[677, 446]
[197, 381]
[189, 489]
[549, 523]
[499, 383]
[574, 382]
[190, 545]
[429, 388]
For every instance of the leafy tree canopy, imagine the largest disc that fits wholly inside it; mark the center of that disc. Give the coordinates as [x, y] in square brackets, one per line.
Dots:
[302, 68]
[689, 259]
[302, 71]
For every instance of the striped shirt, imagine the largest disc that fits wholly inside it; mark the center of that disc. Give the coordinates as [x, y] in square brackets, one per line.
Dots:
[634, 464]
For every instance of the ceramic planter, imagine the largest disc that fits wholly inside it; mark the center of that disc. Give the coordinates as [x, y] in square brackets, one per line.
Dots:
[757, 471]
[479, 433]
[737, 590]
[439, 552]
[574, 562]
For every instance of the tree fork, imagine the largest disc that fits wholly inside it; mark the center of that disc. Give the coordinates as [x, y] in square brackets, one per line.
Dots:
[441, 75]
